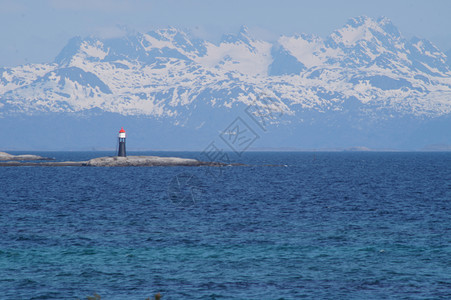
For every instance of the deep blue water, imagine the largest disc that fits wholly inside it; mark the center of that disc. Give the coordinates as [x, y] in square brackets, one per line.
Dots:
[326, 225]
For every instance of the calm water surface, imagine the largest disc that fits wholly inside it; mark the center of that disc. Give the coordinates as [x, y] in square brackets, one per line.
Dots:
[288, 226]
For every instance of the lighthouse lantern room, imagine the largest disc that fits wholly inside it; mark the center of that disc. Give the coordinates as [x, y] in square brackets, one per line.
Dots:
[122, 137]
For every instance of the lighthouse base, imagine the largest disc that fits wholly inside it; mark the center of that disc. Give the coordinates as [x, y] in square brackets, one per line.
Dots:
[121, 151]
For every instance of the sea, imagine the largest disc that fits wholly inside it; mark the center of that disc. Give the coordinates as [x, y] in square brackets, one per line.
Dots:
[285, 225]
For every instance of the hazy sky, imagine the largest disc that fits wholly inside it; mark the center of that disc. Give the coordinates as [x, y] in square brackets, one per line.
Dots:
[33, 31]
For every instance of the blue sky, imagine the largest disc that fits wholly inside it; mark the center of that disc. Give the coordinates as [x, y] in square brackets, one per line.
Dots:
[35, 31]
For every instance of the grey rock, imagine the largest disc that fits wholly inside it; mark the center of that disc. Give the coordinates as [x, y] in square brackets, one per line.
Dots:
[7, 156]
[116, 161]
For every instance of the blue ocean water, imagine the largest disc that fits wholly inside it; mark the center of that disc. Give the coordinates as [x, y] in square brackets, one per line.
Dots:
[349, 225]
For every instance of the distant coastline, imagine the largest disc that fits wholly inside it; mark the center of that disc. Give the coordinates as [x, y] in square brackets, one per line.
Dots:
[427, 148]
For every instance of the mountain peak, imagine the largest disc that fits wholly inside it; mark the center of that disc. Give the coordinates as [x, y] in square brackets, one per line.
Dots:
[69, 50]
[382, 24]
[364, 28]
[359, 21]
[387, 25]
[244, 30]
[169, 31]
[242, 36]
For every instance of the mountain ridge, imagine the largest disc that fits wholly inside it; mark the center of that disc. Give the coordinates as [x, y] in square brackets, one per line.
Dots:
[363, 74]
[363, 51]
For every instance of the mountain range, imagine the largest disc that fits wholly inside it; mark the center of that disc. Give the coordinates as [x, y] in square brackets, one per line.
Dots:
[364, 85]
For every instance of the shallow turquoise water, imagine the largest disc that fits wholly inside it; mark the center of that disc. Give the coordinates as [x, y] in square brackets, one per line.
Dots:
[312, 225]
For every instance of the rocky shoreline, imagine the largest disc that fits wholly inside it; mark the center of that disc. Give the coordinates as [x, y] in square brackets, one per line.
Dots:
[9, 157]
[113, 161]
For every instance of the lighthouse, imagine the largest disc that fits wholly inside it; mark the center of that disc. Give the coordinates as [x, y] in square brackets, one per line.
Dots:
[121, 137]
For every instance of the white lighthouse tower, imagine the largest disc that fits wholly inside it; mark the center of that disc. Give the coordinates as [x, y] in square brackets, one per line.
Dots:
[122, 137]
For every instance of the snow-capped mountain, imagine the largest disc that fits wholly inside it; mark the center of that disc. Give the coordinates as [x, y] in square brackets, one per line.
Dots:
[365, 73]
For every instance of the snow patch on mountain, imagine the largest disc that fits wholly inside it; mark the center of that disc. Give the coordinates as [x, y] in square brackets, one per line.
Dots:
[306, 49]
[239, 53]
